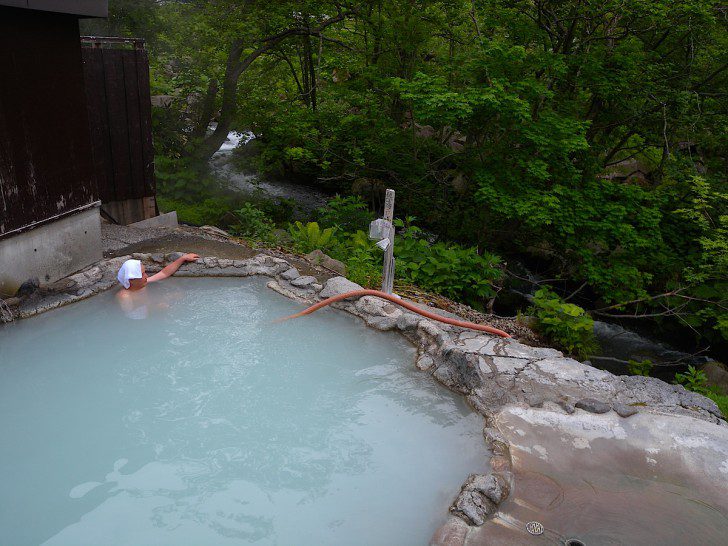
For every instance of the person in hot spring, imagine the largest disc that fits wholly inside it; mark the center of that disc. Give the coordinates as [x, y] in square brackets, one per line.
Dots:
[133, 278]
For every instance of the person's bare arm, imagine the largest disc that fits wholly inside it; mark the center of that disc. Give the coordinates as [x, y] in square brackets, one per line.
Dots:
[172, 268]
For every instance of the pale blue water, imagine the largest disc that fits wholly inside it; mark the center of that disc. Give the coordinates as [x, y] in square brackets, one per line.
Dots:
[206, 424]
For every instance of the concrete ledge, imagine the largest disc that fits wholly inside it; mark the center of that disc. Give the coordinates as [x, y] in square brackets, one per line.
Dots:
[51, 251]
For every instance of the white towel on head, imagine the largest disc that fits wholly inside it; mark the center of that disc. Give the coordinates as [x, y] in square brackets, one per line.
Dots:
[130, 269]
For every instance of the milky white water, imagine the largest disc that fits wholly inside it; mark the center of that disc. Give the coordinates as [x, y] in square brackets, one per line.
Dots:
[194, 420]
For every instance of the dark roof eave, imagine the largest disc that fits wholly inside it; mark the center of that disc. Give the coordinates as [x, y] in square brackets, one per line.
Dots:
[82, 8]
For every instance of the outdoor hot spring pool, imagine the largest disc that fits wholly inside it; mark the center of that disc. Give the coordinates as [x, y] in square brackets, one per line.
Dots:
[194, 419]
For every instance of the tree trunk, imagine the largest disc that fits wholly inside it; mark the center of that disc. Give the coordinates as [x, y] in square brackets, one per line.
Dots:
[207, 111]
[309, 66]
[235, 68]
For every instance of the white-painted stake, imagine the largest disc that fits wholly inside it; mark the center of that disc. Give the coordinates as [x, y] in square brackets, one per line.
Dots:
[388, 270]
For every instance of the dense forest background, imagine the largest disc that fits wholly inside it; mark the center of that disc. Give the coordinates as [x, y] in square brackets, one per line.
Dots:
[579, 145]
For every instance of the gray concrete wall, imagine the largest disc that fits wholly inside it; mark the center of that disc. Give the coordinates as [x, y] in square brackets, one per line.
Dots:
[51, 251]
[168, 219]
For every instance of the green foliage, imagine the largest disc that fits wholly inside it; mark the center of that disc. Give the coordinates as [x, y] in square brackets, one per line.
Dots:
[705, 211]
[565, 324]
[348, 214]
[279, 210]
[183, 179]
[310, 236]
[363, 260]
[695, 380]
[209, 211]
[642, 368]
[252, 223]
[553, 132]
[610, 232]
[363, 268]
[448, 269]
[721, 400]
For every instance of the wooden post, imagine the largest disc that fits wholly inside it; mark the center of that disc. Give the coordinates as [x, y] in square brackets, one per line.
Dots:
[388, 271]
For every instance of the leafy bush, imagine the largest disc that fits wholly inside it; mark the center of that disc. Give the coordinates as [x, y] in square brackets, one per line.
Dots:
[280, 210]
[252, 223]
[693, 380]
[182, 179]
[565, 324]
[209, 211]
[448, 269]
[642, 368]
[309, 237]
[362, 258]
[364, 269]
[349, 214]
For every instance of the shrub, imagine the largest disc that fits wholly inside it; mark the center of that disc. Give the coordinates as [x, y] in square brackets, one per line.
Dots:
[208, 211]
[183, 179]
[448, 269]
[280, 210]
[694, 380]
[252, 223]
[309, 237]
[349, 214]
[564, 324]
[362, 258]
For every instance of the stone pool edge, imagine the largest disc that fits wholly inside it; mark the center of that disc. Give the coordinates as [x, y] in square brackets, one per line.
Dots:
[490, 372]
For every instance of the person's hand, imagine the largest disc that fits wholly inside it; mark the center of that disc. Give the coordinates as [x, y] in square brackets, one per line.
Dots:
[190, 257]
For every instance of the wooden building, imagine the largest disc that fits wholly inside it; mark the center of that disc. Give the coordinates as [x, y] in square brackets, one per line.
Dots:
[56, 168]
[116, 72]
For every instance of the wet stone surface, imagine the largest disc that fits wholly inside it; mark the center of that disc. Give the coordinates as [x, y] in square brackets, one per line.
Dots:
[603, 479]
[593, 406]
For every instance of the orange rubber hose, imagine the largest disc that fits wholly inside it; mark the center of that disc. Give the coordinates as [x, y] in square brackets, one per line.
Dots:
[401, 303]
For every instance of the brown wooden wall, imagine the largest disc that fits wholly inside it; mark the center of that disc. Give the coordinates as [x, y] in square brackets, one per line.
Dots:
[119, 105]
[46, 167]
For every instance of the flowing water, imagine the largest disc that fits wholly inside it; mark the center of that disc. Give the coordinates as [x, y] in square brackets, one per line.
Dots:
[189, 417]
[618, 345]
[231, 177]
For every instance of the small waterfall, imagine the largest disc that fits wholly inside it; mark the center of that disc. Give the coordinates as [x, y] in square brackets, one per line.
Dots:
[224, 168]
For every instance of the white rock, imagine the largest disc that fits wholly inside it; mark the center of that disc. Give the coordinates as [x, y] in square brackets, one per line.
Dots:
[338, 285]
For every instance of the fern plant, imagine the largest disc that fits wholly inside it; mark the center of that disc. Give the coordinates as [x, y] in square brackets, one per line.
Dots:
[309, 237]
[693, 380]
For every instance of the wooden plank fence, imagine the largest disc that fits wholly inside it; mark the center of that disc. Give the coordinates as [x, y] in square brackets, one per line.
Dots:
[116, 72]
